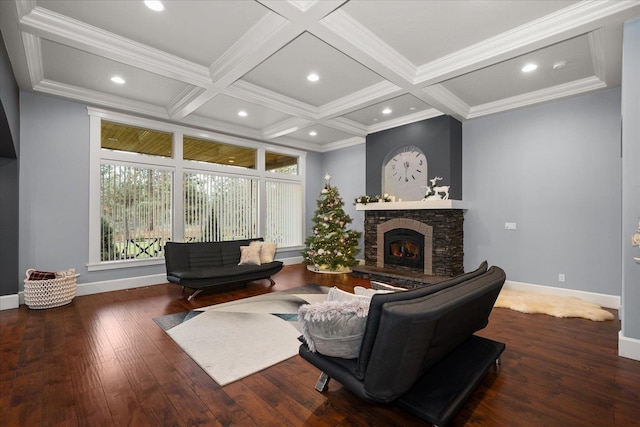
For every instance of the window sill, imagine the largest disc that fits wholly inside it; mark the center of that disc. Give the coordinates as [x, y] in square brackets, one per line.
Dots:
[129, 263]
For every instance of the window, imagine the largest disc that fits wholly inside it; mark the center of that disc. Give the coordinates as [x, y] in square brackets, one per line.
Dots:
[135, 204]
[284, 213]
[281, 163]
[115, 136]
[152, 182]
[203, 150]
[219, 207]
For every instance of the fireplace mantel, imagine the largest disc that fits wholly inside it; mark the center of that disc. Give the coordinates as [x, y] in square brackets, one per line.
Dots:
[412, 205]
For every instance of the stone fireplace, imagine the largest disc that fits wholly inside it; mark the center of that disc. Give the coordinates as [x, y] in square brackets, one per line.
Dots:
[417, 237]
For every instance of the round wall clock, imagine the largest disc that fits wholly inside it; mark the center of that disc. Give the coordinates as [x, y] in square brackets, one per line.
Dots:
[404, 173]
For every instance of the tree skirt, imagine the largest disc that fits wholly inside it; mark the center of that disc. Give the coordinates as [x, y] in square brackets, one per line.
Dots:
[553, 305]
[326, 271]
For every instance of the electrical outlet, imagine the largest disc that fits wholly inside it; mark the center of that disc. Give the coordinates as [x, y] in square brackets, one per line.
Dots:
[561, 277]
[509, 225]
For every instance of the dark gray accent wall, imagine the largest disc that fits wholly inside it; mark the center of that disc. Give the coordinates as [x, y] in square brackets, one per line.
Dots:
[9, 188]
[439, 138]
[630, 312]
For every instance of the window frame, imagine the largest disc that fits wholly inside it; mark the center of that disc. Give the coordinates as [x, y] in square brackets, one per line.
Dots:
[178, 166]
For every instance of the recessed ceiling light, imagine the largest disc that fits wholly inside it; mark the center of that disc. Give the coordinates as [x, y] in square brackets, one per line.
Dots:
[313, 133]
[386, 111]
[117, 79]
[412, 108]
[313, 77]
[242, 113]
[559, 65]
[529, 67]
[155, 5]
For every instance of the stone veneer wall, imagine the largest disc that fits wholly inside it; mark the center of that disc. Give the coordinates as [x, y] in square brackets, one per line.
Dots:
[448, 237]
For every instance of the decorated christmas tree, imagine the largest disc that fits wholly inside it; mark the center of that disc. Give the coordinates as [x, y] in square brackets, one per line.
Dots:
[331, 246]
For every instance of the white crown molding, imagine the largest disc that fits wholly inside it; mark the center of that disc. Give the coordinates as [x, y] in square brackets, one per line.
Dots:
[304, 12]
[98, 98]
[347, 125]
[596, 45]
[180, 103]
[62, 29]
[284, 128]
[343, 25]
[378, 92]
[302, 5]
[438, 95]
[269, 99]
[339, 145]
[570, 21]
[218, 126]
[560, 91]
[405, 120]
[286, 141]
[23, 7]
[33, 53]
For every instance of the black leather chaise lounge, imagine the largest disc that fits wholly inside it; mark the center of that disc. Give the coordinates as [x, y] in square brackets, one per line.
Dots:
[418, 350]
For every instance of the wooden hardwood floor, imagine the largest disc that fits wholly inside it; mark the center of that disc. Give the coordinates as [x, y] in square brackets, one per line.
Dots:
[102, 361]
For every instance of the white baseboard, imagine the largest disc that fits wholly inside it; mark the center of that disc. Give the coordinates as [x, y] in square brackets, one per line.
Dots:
[115, 285]
[8, 302]
[628, 347]
[290, 260]
[603, 300]
[119, 284]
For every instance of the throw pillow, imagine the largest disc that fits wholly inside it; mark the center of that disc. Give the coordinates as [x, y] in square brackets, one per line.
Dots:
[267, 251]
[334, 328]
[337, 294]
[368, 293]
[386, 287]
[249, 255]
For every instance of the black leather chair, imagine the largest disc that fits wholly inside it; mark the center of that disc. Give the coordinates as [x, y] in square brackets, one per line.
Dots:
[418, 349]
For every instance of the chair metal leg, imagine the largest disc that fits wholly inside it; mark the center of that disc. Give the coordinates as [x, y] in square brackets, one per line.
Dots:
[323, 382]
[193, 295]
[498, 363]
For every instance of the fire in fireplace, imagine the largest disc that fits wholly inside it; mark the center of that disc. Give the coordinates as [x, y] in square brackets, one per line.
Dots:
[404, 247]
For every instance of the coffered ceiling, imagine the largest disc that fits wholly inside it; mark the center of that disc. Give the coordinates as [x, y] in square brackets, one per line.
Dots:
[200, 63]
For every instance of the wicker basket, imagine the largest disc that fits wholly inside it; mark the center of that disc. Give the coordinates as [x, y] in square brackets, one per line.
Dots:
[49, 293]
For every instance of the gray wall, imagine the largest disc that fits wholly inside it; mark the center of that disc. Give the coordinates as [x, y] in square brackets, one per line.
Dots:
[347, 170]
[439, 138]
[631, 179]
[9, 188]
[555, 170]
[54, 189]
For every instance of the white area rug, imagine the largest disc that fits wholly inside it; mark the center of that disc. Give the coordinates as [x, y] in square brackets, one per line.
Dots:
[553, 305]
[233, 340]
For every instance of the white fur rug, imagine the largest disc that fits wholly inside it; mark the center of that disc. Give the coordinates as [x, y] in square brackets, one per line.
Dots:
[553, 305]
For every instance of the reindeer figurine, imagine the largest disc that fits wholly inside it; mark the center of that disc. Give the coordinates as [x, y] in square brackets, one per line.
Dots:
[435, 190]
